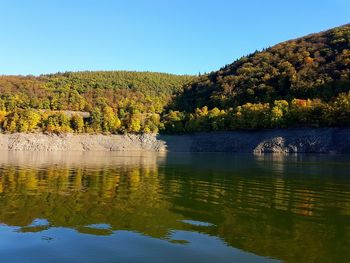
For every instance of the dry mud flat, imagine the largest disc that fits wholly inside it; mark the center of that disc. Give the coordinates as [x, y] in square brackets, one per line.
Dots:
[306, 140]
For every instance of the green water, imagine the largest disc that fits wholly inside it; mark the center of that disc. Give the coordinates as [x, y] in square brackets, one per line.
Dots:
[174, 208]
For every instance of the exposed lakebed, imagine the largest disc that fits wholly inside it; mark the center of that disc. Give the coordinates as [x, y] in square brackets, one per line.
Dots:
[296, 140]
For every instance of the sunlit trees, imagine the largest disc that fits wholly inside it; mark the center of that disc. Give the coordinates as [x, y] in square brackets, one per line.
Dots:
[96, 120]
[133, 123]
[77, 123]
[279, 113]
[174, 122]
[217, 119]
[253, 116]
[110, 121]
[2, 117]
[152, 123]
[341, 109]
[117, 101]
[11, 122]
[57, 123]
[28, 120]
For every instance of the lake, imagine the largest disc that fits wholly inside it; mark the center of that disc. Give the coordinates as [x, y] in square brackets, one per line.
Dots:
[133, 207]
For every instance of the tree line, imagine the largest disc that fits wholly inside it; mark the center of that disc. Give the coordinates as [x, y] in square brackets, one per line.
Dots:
[252, 116]
[279, 114]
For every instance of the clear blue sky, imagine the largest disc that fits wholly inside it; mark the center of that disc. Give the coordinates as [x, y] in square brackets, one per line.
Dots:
[176, 36]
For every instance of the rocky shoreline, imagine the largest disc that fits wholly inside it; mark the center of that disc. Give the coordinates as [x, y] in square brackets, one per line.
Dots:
[301, 140]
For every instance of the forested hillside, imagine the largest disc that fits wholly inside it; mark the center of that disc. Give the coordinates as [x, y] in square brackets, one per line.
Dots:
[302, 82]
[299, 82]
[117, 101]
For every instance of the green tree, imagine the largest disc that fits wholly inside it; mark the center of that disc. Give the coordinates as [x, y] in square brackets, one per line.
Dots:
[77, 123]
[96, 119]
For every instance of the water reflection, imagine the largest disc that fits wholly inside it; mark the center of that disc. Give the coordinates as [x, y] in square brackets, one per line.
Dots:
[205, 207]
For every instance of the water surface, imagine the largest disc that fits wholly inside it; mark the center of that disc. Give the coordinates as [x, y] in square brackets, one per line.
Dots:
[110, 207]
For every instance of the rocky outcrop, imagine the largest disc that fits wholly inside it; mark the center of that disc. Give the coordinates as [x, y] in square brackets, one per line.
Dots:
[305, 140]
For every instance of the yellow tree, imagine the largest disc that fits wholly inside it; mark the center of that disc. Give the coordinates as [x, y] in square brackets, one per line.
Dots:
[2, 117]
[77, 123]
[111, 122]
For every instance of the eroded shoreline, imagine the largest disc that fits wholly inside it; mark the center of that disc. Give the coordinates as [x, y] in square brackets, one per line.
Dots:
[301, 140]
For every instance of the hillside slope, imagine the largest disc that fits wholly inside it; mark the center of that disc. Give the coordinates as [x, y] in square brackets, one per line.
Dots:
[298, 83]
[85, 90]
[301, 82]
[315, 66]
[117, 101]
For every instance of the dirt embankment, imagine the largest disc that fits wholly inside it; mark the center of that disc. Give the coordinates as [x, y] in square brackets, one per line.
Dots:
[306, 140]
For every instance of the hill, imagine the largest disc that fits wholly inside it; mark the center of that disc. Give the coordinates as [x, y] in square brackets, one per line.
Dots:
[310, 71]
[301, 82]
[116, 100]
[315, 66]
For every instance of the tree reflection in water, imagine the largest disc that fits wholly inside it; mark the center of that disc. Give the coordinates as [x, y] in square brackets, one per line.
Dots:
[292, 208]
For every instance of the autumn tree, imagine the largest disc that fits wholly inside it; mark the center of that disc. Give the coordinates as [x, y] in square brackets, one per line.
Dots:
[77, 123]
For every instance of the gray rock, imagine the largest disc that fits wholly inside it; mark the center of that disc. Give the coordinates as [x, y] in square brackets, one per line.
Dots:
[303, 140]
